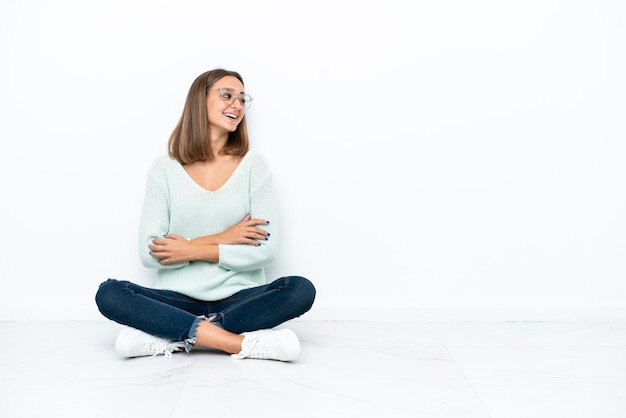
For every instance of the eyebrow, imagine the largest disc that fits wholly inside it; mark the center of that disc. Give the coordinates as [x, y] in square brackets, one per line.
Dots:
[231, 89]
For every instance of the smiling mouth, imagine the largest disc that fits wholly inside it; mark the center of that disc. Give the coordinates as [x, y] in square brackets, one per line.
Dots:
[231, 116]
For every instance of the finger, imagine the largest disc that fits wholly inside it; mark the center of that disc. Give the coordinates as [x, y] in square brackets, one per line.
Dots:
[254, 235]
[172, 236]
[259, 236]
[259, 232]
[157, 247]
[255, 221]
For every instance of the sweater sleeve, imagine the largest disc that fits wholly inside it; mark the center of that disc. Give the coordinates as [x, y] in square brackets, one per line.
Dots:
[262, 206]
[155, 218]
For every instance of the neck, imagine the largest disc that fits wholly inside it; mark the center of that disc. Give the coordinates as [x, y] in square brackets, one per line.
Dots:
[217, 143]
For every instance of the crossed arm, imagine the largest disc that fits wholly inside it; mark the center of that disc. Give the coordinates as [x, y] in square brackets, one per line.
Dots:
[174, 248]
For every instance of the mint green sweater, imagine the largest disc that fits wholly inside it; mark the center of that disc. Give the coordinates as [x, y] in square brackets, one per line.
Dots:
[176, 204]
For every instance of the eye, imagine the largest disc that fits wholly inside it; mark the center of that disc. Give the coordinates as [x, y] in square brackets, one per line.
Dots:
[227, 95]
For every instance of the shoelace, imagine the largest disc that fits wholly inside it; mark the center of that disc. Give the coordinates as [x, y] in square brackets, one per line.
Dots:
[163, 347]
[255, 349]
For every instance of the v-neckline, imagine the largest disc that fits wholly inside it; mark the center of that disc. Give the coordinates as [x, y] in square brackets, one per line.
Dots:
[223, 185]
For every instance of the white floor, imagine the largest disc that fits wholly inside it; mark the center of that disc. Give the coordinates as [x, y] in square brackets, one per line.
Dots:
[347, 369]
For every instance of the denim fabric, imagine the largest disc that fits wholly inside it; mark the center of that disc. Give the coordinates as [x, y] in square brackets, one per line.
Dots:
[171, 315]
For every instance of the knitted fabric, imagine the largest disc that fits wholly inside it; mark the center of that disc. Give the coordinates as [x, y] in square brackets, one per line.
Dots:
[174, 203]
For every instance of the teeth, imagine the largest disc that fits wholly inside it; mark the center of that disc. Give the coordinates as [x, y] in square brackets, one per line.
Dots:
[229, 115]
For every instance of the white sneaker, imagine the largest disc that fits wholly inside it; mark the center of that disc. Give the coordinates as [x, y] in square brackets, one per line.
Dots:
[132, 342]
[282, 344]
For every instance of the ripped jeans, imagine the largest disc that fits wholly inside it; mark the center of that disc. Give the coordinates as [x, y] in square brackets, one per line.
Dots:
[174, 316]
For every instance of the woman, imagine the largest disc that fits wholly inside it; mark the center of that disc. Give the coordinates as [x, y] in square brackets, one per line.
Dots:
[209, 225]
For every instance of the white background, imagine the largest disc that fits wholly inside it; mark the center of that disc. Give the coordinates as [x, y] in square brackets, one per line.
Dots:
[438, 159]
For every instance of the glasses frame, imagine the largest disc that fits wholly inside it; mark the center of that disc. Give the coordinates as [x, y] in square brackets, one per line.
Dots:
[244, 98]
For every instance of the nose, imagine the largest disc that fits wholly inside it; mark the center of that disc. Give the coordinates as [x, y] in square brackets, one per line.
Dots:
[236, 103]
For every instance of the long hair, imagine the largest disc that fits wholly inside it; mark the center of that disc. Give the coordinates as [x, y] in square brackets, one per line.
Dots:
[189, 141]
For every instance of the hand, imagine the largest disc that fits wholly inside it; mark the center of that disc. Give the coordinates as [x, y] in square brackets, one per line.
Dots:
[245, 232]
[171, 249]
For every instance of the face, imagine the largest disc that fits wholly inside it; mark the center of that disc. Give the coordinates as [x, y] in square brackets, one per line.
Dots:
[224, 110]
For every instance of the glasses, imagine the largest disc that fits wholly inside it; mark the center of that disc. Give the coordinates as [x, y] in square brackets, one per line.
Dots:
[229, 96]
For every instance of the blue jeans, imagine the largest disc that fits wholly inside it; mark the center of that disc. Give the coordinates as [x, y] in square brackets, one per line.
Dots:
[174, 316]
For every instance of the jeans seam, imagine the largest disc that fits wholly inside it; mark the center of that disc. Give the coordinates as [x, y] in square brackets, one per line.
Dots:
[258, 295]
[182, 299]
